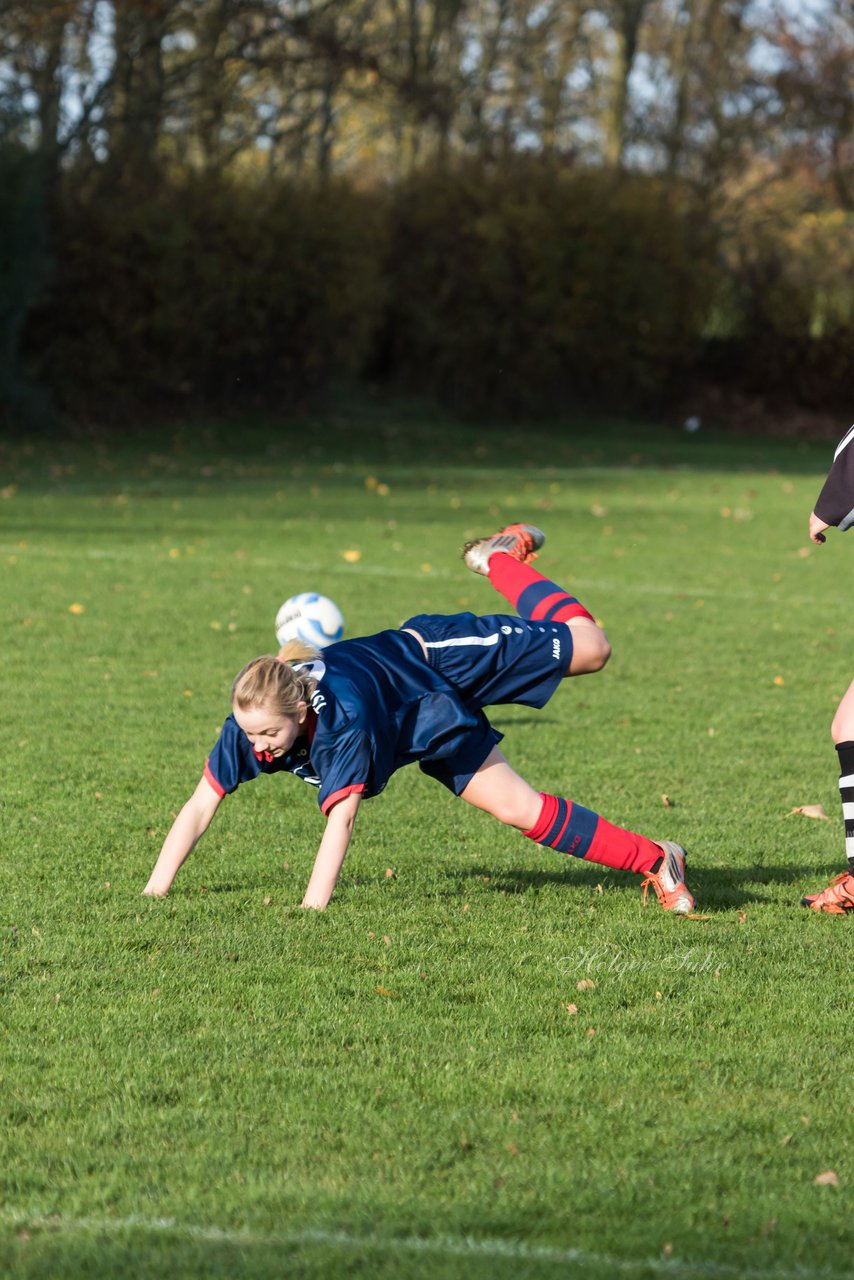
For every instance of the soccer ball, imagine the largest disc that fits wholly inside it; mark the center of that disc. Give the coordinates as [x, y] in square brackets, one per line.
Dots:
[309, 617]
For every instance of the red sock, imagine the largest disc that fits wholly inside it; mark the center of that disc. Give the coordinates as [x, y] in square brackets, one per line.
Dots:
[572, 829]
[624, 850]
[531, 595]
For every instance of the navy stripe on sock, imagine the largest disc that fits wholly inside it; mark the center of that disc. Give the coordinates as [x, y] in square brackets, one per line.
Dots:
[581, 828]
[532, 595]
[558, 825]
[555, 608]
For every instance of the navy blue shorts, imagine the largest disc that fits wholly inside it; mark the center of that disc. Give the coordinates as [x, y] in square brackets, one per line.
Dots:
[498, 658]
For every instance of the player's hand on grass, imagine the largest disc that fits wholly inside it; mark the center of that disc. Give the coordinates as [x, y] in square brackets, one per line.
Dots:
[817, 528]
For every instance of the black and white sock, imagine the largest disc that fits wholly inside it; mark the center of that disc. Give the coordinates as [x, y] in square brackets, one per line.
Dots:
[845, 751]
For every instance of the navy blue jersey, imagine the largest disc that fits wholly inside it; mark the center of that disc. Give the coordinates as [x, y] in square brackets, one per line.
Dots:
[379, 706]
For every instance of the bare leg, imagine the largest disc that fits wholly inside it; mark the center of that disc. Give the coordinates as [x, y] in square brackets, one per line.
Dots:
[570, 828]
[842, 728]
[538, 599]
[498, 789]
[591, 648]
[838, 897]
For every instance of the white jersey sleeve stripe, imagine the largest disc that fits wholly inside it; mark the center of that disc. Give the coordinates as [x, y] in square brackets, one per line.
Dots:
[843, 443]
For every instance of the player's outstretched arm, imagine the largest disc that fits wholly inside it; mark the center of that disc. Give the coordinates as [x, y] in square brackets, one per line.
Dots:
[332, 852]
[187, 829]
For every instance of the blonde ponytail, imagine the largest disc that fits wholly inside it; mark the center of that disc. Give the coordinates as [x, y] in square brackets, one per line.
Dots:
[298, 651]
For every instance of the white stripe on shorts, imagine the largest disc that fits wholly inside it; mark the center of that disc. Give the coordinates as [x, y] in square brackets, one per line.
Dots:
[848, 810]
[481, 641]
[847, 780]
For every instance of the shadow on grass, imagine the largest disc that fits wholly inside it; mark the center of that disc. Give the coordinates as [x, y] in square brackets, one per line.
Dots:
[721, 889]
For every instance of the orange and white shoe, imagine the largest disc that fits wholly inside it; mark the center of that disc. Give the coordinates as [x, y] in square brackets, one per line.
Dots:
[667, 877]
[836, 899]
[521, 541]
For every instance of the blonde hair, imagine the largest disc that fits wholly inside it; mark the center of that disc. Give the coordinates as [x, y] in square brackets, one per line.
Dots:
[273, 682]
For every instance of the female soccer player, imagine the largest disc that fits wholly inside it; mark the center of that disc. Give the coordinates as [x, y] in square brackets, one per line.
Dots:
[346, 719]
[835, 506]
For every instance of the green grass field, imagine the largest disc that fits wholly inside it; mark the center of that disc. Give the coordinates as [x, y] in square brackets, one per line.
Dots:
[219, 1084]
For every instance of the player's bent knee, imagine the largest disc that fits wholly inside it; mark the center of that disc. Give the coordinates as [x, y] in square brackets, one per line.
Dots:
[602, 652]
[591, 650]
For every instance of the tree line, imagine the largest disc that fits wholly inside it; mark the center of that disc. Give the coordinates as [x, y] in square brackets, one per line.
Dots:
[727, 125]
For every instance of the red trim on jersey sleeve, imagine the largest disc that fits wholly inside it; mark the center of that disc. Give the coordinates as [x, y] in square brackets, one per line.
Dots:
[218, 788]
[330, 801]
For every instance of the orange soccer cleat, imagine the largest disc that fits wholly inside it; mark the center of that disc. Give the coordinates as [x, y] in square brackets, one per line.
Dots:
[836, 899]
[521, 541]
[667, 877]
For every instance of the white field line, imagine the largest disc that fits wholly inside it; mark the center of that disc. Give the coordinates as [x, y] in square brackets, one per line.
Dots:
[436, 1246]
[330, 568]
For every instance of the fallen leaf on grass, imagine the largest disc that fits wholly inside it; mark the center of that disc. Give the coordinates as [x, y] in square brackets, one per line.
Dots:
[810, 811]
[571, 1008]
[830, 1178]
[666, 801]
[389, 873]
[586, 984]
[384, 991]
[695, 915]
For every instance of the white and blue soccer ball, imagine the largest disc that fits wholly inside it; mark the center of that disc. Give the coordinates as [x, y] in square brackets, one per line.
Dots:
[310, 617]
